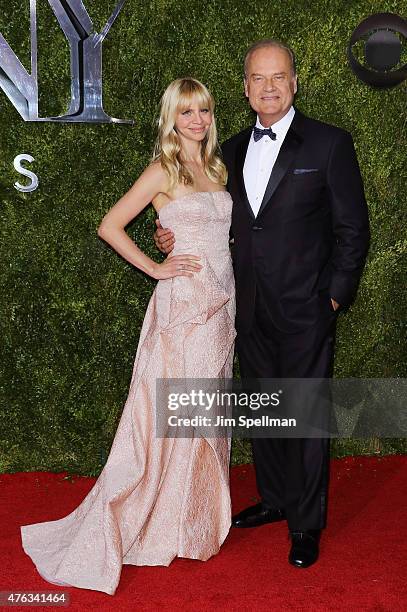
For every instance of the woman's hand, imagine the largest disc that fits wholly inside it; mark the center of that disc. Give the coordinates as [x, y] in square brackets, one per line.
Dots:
[178, 265]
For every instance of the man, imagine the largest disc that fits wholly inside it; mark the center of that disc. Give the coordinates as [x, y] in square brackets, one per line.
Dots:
[301, 233]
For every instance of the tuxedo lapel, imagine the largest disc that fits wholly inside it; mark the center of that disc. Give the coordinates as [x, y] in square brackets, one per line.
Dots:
[241, 151]
[286, 155]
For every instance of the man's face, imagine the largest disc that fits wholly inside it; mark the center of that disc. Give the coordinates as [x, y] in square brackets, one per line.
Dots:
[270, 84]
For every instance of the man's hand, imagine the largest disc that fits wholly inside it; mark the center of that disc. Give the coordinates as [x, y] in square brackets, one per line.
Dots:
[163, 238]
[335, 304]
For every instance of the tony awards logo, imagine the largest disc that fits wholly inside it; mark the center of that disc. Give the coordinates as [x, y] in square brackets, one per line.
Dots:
[85, 46]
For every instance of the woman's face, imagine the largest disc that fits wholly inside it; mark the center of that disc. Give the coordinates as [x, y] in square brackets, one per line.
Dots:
[194, 121]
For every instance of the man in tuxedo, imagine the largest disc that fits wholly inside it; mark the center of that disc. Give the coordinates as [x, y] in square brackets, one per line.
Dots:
[300, 230]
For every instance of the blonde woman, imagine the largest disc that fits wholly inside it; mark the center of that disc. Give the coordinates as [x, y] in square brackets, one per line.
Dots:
[162, 497]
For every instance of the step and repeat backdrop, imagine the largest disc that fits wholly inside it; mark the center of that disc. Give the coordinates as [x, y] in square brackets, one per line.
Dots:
[80, 84]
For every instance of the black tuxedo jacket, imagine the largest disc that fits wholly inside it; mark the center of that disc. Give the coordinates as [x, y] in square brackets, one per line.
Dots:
[310, 237]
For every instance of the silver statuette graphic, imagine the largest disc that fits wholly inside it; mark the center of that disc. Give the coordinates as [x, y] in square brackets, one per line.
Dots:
[85, 46]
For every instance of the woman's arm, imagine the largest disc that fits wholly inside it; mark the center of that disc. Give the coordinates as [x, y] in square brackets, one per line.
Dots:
[151, 182]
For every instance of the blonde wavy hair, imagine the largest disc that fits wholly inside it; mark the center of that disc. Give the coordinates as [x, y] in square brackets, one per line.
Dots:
[168, 150]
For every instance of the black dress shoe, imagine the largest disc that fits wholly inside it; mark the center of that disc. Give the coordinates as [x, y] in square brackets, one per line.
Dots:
[257, 515]
[304, 547]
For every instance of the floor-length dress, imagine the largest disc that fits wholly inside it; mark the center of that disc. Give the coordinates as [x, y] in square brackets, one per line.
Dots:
[159, 498]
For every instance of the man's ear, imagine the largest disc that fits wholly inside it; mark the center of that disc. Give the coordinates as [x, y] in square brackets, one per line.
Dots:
[295, 84]
[246, 93]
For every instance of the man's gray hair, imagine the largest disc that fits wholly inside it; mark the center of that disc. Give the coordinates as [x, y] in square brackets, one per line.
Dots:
[269, 42]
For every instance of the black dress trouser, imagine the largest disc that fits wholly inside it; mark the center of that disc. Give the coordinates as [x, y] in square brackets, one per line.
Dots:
[291, 473]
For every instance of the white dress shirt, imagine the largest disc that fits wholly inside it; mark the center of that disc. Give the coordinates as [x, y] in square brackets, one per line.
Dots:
[260, 159]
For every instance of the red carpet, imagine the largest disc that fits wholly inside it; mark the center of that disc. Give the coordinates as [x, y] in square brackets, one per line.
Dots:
[362, 566]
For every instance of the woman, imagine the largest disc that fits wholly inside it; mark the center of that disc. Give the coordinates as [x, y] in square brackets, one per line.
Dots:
[158, 498]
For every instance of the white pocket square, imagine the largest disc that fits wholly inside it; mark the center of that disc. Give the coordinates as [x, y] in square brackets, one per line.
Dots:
[304, 170]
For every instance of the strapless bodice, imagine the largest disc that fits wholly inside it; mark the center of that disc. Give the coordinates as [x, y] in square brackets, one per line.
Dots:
[200, 222]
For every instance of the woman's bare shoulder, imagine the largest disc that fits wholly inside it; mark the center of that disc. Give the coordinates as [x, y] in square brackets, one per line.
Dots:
[153, 180]
[156, 172]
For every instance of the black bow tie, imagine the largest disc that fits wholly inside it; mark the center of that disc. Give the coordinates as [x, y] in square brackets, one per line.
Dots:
[259, 133]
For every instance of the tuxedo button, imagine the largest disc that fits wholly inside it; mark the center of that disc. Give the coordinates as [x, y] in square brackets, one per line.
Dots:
[256, 227]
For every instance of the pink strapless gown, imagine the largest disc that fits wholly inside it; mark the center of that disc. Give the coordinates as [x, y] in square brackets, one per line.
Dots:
[159, 498]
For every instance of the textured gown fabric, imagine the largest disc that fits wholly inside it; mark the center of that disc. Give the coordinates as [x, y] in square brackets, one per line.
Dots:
[159, 498]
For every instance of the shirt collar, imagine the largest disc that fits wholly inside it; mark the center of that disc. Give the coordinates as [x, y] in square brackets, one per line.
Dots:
[281, 126]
